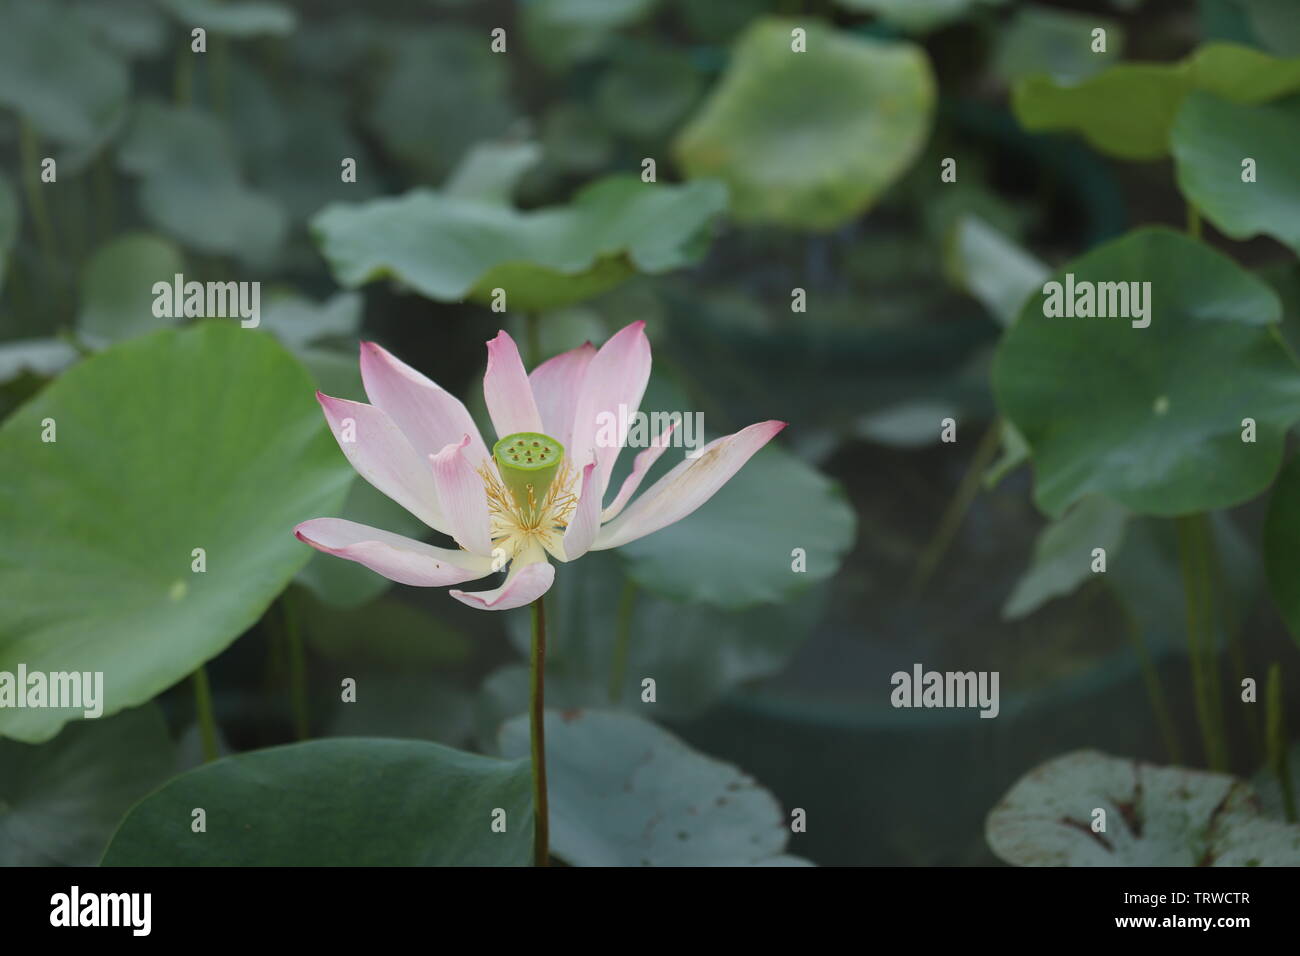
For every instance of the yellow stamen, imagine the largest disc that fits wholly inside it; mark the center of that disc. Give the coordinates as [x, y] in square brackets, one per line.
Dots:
[515, 524]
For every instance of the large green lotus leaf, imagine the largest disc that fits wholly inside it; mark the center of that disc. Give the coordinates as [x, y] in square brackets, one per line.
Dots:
[1063, 554]
[992, 268]
[1155, 816]
[696, 654]
[1128, 110]
[1282, 546]
[1055, 42]
[738, 549]
[60, 802]
[55, 72]
[1210, 139]
[917, 16]
[1242, 74]
[203, 438]
[1152, 417]
[344, 802]
[191, 185]
[560, 33]
[626, 792]
[450, 248]
[241, 19]
[1124, 112]
[443, 90]
[117, 287]
[810, 140]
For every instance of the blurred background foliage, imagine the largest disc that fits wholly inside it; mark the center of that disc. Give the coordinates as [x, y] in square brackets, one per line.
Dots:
[522, 169]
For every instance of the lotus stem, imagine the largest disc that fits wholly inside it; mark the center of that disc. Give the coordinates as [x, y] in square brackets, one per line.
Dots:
[1193, 554]
[955, 513]
[1155, 691]
[1276, 740]
[537, 730]
[30, 147]
[204, 712]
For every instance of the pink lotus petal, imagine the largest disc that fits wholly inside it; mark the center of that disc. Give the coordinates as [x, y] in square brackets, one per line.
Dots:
[640, 465]
[557, 383]
[506, 389]
[687, 486]
[585, 521]
[380, 453]
[429, 416]
[462, 498]
[617, 376]
[399, 559]
[525, 584]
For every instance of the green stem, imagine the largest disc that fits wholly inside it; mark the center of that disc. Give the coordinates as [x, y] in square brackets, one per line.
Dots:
[622, 640]
[1232, 621]
[955, 513]
[297, 670]
[203, 711]
[30, 148]
[537, 728]
[1193, 221]
[1155, 691]
[1213, 628]
[1276, 740]
[1202, 654]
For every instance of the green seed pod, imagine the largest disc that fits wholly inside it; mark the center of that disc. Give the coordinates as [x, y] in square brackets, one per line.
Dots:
[528, 461]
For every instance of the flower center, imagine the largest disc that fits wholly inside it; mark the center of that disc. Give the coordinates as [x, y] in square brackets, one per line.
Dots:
[529, 494]
[528, 463]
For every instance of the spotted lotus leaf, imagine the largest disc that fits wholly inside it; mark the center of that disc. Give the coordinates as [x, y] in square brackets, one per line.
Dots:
[1153, 816]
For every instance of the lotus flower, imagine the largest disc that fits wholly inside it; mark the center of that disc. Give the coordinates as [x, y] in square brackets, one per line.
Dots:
[539, 491]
